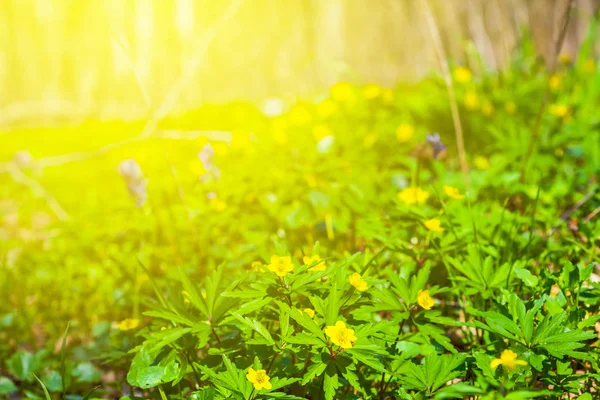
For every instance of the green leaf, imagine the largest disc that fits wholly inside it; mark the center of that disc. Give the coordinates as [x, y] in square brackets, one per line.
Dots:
[330, 382]
[256, 326]
[46, 394]
[527, 277]
[314, 370]
[6, 386]
[86, 372]
[23, 365]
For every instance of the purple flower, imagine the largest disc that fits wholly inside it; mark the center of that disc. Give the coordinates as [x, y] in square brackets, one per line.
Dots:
[134, 179]
[206, 156]
[436, 144]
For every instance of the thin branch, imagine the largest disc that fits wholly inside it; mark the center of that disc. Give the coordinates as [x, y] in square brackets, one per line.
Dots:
[190, 70]
[167, 104]
[81, 156]
[538, 118]
[439, 49]
[37, 189]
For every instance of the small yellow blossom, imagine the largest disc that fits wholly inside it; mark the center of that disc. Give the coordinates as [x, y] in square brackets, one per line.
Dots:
[554, 291]
[259, 379]
[481, 163]
[326, 108]
[404, 132]
[413, 195]
[341, 91]
[311, 180]
[340, 335]
[310, 312]
[218, 204]
[128, 324]
[321, 131]
[220, 148]
[463, 74]
[559, 152]
[281, 265]
[564, 58]
[453, 192]
[370, 139]
[257, 266]
[510, 107]
[241, 140]
[299, 115]
[425, 300]
[320, 265]
[471, 100]
[197, 167]
[559, 110]
[434, 225]
[555, 81]
[508, 359]
[388, 96]
[371, 91]
[280, 137]
[358, 282]
[487, 109]
[186, 297]
[203, 294]
[589, 66]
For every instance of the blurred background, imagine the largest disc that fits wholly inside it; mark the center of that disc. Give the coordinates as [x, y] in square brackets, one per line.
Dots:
[69, 59]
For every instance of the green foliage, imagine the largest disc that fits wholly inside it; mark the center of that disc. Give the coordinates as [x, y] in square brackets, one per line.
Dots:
[336, 250]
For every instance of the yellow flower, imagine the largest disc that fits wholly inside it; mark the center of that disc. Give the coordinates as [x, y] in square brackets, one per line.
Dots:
[321, 131]
[425, 300]
[370, 139]
[564, 58]
[240, 140]
[218, 204]
[257, 266]
[299, 115]
[554, 290]
[589, 66]
[128, 324]
[510, 107]
[281, 265]
[487, 108]
[320, 265]
[508, 359]
[453, 192]
[280, 137]
[404, 132]
[197, 167]
[358, 282]
[388, 96]
[259, 379]
[555, 81]
[340, 335]
[471, 100]
[341, 91]
[433, 225]
[186, 297]
[462, 74]
[371, 91]
[559, 110]
[481, 162]
[309, 312]
[326, 108]
[413, 195]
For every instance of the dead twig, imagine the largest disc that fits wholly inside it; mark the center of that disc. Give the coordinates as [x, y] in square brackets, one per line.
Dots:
[439, 48]
[37, 189]
[538, 118]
